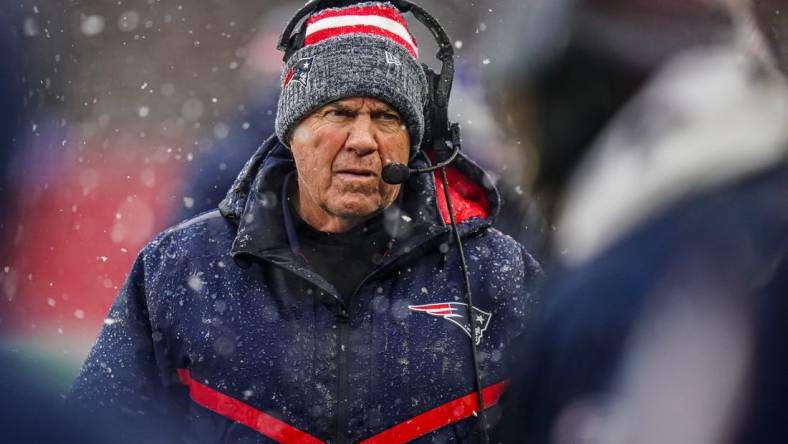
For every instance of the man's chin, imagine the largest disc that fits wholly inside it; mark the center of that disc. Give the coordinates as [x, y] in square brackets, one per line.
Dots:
[356, 208]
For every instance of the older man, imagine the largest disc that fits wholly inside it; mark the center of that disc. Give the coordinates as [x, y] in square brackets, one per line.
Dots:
[322, 303]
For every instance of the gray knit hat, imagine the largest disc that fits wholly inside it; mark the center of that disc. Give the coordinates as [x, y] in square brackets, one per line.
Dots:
[364, 50]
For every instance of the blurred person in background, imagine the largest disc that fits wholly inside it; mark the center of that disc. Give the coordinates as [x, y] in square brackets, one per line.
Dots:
[320, 303]
[664, 315]
[574, 67]
[216, 166]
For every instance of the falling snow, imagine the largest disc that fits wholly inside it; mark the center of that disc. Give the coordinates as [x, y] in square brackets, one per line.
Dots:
[145, 109]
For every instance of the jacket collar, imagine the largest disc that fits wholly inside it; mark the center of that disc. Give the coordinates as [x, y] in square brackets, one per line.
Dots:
[256, 203]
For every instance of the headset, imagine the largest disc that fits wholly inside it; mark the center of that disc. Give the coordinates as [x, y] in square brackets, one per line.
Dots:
[439, 133]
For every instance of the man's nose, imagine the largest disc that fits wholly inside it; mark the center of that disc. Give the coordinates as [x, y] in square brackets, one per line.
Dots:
[362, 135]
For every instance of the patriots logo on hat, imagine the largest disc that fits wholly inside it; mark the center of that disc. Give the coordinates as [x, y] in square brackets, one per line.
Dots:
[457, 313]
[391, 59]
[299, 72]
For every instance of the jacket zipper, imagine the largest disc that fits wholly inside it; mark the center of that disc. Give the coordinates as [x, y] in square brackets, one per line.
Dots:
[343, 383]
[343, 379]
[343, 386]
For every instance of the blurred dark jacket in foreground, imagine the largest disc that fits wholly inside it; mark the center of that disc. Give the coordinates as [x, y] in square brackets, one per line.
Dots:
[664, 321]
[664, 312]
[34, 413]
[675, 331]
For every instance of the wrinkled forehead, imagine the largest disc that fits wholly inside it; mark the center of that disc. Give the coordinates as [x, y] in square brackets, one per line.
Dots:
[360, 103]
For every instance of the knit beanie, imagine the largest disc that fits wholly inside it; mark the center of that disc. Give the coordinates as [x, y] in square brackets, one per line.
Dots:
[363, 50]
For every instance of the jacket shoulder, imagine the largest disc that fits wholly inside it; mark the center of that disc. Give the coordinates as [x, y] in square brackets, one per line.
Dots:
[501, 256]
[504, 242]
[206, 233]
[201, 219]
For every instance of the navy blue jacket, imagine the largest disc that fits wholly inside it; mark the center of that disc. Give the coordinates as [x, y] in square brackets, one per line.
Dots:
[222, 327]
[732, 240]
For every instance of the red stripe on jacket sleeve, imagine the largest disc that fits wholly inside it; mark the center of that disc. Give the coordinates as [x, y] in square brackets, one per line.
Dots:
[238, 411]
[439, 417]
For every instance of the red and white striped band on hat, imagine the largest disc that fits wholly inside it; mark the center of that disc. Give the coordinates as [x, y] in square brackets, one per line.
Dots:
[371, 18]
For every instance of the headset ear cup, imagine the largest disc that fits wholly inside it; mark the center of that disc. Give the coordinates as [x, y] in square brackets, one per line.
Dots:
[429, 107]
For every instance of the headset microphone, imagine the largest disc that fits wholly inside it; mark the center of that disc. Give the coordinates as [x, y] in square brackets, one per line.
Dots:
[397, 173]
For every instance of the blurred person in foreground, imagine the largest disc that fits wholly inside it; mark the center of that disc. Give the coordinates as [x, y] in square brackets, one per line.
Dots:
[321, 303]
[32, 410]
[664, 315]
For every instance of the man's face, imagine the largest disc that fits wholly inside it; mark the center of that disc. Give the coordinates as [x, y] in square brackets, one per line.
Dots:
[340, 151]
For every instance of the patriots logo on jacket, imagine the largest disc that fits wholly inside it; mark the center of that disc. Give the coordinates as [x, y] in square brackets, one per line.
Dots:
[457, 313]
[299, 72]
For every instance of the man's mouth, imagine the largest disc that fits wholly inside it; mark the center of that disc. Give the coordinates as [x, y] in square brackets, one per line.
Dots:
[356, 173]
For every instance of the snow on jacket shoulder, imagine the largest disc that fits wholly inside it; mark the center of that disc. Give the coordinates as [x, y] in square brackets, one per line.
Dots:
[225, 331]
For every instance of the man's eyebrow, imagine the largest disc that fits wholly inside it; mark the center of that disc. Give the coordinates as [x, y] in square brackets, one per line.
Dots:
[377, 109]
[340, 107]
[384, 109]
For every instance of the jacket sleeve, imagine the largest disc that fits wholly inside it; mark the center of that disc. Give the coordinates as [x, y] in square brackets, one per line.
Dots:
[121, 378]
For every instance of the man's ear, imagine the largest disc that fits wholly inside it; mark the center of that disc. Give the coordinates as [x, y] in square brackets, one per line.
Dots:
[288, 142]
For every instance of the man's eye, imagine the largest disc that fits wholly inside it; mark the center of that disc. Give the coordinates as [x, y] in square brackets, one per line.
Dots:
[336, 115]
[388, 117]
